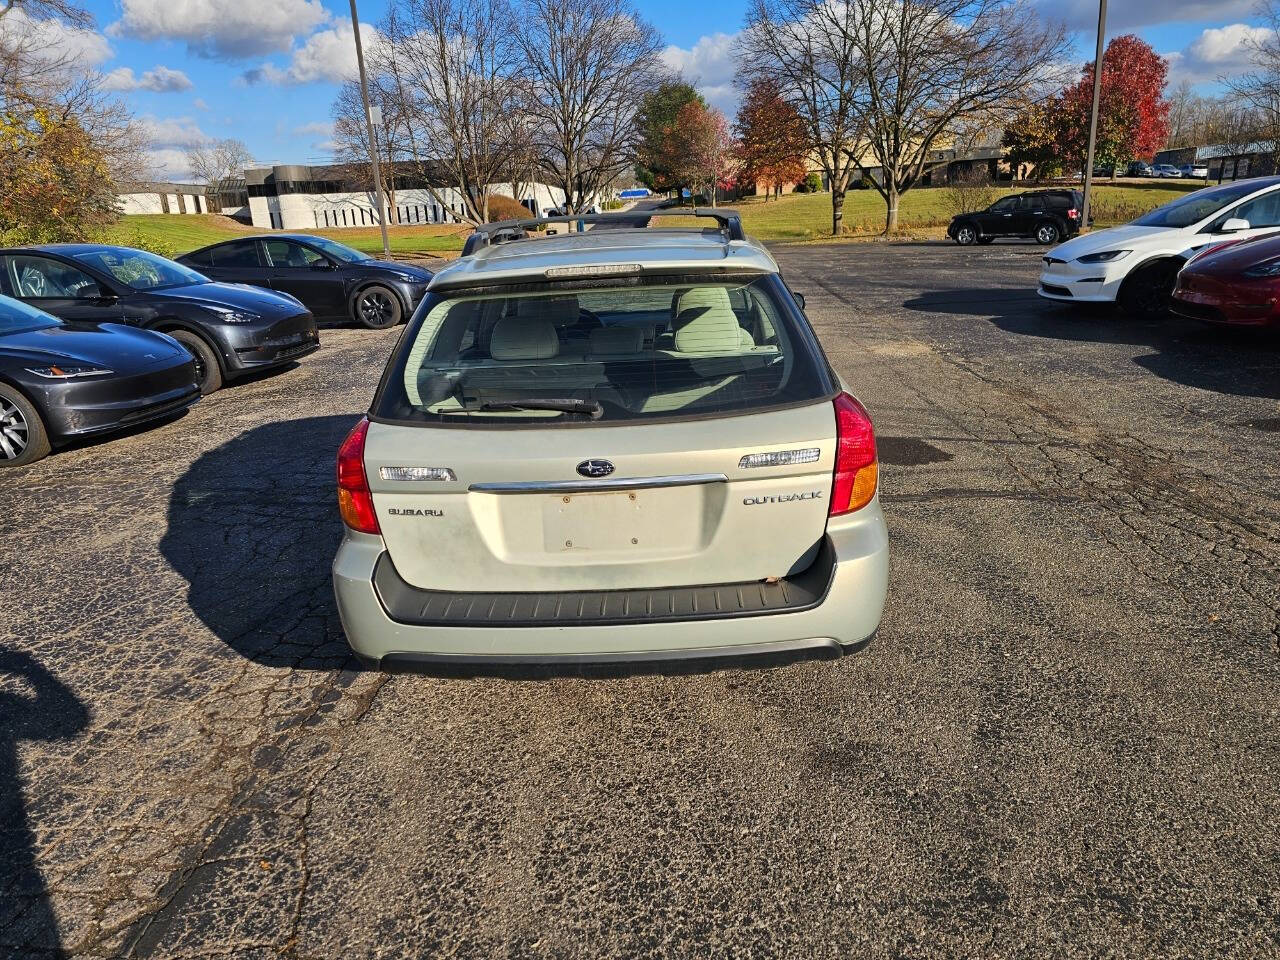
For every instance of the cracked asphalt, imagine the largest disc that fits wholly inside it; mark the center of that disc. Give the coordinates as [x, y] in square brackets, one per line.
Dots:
[1063, 743]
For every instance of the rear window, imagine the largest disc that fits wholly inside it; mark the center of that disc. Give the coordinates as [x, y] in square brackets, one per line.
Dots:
[603, 354]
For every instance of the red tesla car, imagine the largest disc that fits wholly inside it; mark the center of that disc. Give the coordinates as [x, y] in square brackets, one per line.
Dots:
[1237, 282]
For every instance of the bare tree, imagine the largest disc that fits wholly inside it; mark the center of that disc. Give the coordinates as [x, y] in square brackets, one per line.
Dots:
[1259, 89]
[589, 64]
[809, 48]
[218, 160]
[351, 138]
[449, 72]
[64, 10]
[929, 66]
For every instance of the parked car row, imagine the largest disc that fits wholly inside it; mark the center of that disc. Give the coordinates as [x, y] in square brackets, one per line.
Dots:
[95, 338]
[1213, 254]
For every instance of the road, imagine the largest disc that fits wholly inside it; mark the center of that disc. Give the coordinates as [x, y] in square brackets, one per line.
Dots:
[1063, 743]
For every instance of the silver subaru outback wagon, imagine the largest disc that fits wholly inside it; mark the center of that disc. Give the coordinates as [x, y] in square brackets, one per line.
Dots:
[618, 444]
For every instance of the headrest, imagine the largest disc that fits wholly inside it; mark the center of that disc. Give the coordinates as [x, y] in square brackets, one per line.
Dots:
[562, 311]
[617, 340]
[706, 323]
[517, 338]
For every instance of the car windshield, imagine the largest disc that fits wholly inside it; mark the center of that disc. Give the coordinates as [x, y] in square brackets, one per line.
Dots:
[1197, 206]
[338, 251]
[140, 270]
[18, 317]
[643, 352]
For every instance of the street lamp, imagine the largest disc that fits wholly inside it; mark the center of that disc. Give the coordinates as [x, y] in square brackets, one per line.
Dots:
[1093, 116]
[373, 144]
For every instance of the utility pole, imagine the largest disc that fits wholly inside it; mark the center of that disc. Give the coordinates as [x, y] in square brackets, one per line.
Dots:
[373, 144]
[1093, 117]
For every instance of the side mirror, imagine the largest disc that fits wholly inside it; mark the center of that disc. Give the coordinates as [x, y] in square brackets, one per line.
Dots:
[799, 299]
[322, 264]
[1233, 225]
[94, 291]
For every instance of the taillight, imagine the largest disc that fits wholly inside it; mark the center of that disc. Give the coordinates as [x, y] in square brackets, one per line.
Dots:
[1073, 214]
[856, 474]
[355, 502]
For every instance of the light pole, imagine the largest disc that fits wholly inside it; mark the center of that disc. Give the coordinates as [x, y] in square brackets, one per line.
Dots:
[373, 144]
[1093, 116]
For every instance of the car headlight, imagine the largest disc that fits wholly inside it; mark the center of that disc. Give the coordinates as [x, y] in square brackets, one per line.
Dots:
[1106, 256]
[1268, 268]
[230, 315]
[408, 278]
[64, 371]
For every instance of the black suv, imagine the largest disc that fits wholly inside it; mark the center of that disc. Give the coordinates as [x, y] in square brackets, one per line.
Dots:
[1046, 216]
[333, 280]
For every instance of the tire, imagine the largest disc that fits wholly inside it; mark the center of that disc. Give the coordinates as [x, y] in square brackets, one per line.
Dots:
[1048, 234]
[23, 437]
[985, 240]
[376, 307]
[208, 372]
[1146, 293]
[966, 235]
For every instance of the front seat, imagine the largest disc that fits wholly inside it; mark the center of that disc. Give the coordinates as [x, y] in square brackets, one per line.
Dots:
[705, 323]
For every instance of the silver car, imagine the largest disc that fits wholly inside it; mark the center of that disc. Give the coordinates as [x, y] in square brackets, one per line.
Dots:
[620, 444]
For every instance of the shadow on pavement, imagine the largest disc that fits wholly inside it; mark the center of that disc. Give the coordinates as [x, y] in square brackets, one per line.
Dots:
[34, 705]
[253, 526]
[1239, 362]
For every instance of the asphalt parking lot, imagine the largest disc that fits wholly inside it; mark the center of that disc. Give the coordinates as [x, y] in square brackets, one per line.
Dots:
[1065, 741]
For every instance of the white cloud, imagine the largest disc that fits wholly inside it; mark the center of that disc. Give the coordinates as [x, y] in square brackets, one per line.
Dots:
[167, 163]
[320, 128]
[710, 66]
[177, 132]
[221, 29]
[159, 79]
[1083, 14]
[53, 40]
[1218, 52]
[199, 104]
[327, 56]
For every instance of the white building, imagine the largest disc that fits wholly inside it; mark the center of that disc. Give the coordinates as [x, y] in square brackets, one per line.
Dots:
[157, 197]
[297, 197]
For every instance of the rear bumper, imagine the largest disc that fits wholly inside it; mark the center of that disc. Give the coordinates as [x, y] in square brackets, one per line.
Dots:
[843, 611]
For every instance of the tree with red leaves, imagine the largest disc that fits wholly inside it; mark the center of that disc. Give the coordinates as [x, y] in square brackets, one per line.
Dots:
[773, 143]
[1133, 114]
[703, 151]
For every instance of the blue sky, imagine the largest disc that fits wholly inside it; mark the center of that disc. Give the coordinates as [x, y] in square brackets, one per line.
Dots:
[267, 71]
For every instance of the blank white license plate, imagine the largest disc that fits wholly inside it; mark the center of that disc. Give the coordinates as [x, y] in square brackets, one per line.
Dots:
[595, 521]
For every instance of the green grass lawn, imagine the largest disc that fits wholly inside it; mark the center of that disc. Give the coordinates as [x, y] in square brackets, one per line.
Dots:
[175, 234]
[794, 218]
[800, 216]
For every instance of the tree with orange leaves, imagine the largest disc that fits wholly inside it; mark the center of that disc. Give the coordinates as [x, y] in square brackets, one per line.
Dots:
[774, 147]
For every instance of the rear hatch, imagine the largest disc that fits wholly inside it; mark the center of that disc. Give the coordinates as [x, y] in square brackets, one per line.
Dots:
[676, 510]
[659, 435]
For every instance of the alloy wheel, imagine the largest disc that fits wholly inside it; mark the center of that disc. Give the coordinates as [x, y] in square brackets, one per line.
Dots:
[1047, 234]
[376, 308]
[965, 236]
[14, 430]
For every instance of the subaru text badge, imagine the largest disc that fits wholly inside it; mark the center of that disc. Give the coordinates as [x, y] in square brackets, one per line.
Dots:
[595, 468]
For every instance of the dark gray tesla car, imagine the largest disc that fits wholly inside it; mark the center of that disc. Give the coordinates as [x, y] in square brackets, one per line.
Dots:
[230, 329]
[61, 381]
[333, 280]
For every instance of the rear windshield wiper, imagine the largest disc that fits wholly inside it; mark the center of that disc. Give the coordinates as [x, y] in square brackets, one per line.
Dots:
[592, 408]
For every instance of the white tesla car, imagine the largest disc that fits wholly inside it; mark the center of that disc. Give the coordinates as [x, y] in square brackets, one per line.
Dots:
[1137, 264]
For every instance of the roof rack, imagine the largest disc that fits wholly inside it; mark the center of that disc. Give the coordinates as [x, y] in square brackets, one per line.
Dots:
[505, 230]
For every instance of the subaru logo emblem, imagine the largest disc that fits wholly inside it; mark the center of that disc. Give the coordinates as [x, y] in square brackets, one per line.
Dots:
[595, 468]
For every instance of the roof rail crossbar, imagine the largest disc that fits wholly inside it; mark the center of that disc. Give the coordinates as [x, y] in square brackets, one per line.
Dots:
[503, 230]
